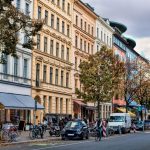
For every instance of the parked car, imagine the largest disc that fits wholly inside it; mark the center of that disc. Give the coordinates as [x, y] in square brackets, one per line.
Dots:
[75, 130]
[139, 125]
[147, 124]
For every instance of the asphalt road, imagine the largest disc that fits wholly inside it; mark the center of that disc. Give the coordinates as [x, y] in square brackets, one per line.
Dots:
[137, 141]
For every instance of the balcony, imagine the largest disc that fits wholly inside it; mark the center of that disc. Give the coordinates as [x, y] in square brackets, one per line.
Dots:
[14, 79]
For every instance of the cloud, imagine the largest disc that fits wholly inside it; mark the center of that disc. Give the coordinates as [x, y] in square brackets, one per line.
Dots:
[143, 47]
[134, 14]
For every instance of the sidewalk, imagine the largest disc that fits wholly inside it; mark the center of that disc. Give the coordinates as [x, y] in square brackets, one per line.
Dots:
[24, 138]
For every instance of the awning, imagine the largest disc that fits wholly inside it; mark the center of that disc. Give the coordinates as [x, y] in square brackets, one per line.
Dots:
[16, 101]
[79, 102]
[90, 107]
[124, 111]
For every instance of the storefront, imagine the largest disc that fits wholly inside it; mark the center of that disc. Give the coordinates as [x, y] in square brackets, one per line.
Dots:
[16, 107]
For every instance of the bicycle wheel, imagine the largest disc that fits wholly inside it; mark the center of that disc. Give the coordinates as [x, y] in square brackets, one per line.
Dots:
[32, 135]
[96, 136]
[5, 136]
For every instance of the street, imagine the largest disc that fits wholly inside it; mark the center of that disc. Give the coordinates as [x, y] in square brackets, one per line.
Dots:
[137, 141]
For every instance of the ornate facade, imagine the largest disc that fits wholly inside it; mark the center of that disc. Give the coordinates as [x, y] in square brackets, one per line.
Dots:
[51, 64]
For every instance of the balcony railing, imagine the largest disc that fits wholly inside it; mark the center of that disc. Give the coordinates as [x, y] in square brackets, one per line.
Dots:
[15, 79]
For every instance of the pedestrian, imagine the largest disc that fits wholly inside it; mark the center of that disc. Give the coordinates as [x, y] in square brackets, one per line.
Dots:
[133, 127]
[98, 126]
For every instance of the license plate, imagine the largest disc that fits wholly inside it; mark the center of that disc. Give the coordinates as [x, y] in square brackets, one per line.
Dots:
[70, 134]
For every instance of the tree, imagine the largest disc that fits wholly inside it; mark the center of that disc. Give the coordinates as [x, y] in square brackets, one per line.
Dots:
[11, 22]
[100, 76]
[137, 81]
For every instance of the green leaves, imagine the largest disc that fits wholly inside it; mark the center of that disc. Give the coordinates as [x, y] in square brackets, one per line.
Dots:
[12, 21]
[100, 76]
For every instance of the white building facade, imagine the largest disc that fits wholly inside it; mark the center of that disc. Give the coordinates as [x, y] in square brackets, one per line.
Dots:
[15, 74]
[104, 36]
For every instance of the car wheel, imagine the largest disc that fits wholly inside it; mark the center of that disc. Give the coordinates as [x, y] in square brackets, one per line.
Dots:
[87, 136]
[82, 136]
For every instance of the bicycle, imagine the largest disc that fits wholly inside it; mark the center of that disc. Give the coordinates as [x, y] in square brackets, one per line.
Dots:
[97, 135]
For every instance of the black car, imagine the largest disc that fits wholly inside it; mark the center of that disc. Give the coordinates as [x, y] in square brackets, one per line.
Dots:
[75, 130]
[139, 125]
[147, 124]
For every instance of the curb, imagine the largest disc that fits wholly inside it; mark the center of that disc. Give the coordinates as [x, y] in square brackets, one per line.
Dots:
[30, 141]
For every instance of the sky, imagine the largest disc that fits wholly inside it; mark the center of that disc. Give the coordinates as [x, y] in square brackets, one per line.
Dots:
[135, 14]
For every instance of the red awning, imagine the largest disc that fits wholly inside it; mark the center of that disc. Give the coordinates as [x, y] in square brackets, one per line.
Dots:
[79, 102]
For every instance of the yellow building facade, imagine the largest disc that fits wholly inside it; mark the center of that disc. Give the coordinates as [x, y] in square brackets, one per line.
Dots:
[51, 62]
[83, 34]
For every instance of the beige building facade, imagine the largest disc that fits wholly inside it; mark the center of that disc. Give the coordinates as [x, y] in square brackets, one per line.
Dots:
[51, 63]
[83, 34]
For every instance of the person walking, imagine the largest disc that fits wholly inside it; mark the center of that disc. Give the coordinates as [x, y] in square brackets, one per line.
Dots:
[133, 127]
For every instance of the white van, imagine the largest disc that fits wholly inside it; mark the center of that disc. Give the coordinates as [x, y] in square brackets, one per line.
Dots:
[120, 122]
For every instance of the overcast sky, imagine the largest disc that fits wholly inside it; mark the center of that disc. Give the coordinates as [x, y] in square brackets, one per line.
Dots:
[135, 14]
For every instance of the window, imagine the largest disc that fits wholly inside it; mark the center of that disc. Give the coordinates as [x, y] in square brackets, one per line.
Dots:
[89, 29]
[67, 105]
[81, 23]
[61, 105]
[89, 48]
[98, 33]
[76, 42]
[25, 39]
[97, 48]
[67, 57]
[76, 63]
[44, 73]
[5, 65]
[52, 20]
[57, 24]
[85, 46]
[76, 20]
[39, 12]
[92, 49]
[51, 47]
[53, 1]
[25, 68]
[81, 44]
[57, 49]
[63, 5]
[85, 26]
[104, 37]
[51, 75]
[18, 4]
[46, 17]
[92, 31]
[37, 74]
[56, 104]
[68, 30]
[58, 3]
[62, 52]
[27, 12]
[68, 9]
[15, 66]
[110, 41]
[50, 104]
[63, 27]
[62, 78]
[45, 44]
[76, 83]
[101, 35]
[107, 39]
[56, 76]
[67, 79]
[38, 41]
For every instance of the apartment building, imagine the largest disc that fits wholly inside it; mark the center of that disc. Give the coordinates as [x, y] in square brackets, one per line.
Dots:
[51, 63]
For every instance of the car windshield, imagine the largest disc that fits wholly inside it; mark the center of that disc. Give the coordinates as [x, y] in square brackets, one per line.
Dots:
[72, 124]
[116, 119]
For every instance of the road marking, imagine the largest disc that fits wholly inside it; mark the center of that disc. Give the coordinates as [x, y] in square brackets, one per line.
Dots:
[50, 147]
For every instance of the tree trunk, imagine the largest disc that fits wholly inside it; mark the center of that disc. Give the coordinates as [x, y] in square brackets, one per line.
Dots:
[98, 109]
